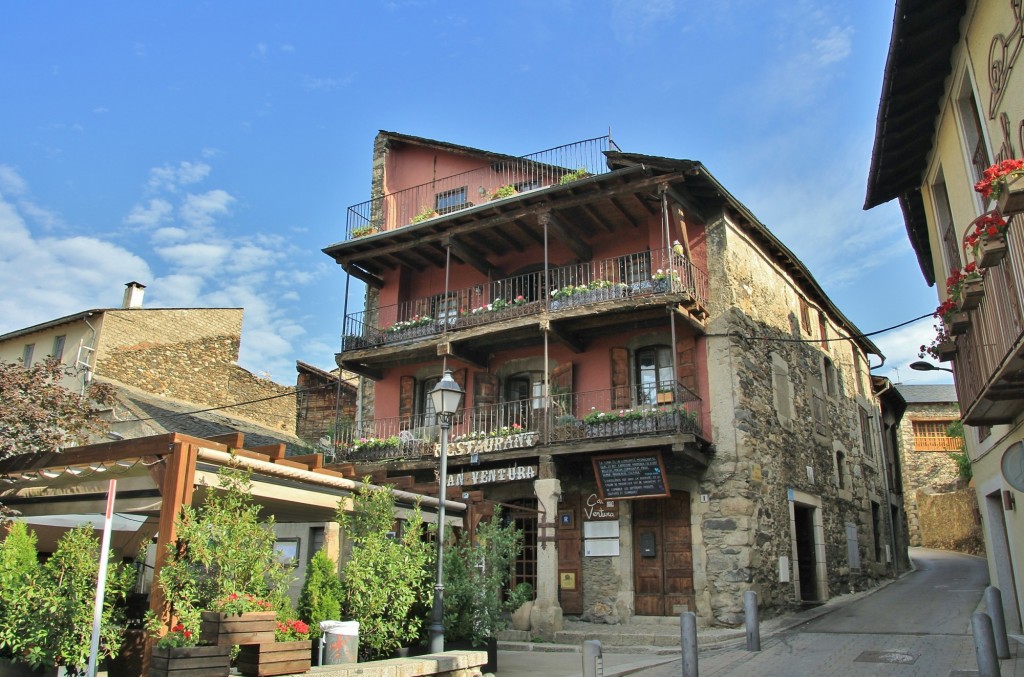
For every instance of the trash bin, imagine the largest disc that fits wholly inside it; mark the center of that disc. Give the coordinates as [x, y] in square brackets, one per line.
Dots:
[340, 642]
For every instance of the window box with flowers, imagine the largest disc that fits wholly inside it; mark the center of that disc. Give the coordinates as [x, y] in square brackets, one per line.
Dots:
[498, 307]
[954, 320]
[417, 325]
[290, 653]
[987, 239]
[668, 418]
[665, 280]
[592, 292]
[363, 231]
[376, 448]
[503, 192]
[238, 619]
[1004, 183]
[966, 287]
[942, 348]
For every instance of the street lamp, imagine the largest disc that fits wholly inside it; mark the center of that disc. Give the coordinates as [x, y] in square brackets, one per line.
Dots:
[445, 396]
[927, 366]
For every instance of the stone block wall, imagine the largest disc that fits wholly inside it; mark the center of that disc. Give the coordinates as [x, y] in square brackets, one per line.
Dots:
[950, 521]
[190, 355]
[765, 370]
[930, 471]
[316, 396]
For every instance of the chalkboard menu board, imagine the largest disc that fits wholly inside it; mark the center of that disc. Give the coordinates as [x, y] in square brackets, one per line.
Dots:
[631, 476]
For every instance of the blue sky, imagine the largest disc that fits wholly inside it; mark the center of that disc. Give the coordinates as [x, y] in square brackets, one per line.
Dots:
[210, 149]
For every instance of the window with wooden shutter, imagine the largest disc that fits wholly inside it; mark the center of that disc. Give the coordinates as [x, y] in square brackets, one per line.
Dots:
[620, 378]
[406, 400]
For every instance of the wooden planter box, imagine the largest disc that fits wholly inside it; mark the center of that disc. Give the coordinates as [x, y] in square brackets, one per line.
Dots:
[971, 294]
[956, 323]
[190, 661]
[1011, 198]
[274, 658]
[222, 629]
[991, 250]
[946, 350]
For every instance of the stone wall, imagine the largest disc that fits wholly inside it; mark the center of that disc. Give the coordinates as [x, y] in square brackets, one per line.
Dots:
[316, 396]
[765, 372]
[190, 355]
[932, 471]
[951, 521]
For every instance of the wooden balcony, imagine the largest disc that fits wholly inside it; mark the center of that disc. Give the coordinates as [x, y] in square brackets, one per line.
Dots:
[935, 443]
[510, 429]
[989, 362]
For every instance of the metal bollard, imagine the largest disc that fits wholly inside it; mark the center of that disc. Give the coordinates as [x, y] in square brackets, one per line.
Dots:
[688, 640]
[753, 624]
[994, 605]
[984, 645]
[591, 656]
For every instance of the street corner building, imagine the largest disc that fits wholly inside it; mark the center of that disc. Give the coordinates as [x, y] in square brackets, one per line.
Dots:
[949, 146]
[657, 391]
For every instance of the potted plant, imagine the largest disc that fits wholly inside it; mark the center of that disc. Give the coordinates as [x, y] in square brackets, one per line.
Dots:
[477, 601]
[987, 239]
[207, 571]
[955, 320]
[505, 191]
[424, 214]
[665, 280]
[363, 231]
[1004, 183]
[386, 581]
[179, 650]
[942, 347]
[288, 653]
[47, 618]
[966, 287]
[569, 177]
[320, 597]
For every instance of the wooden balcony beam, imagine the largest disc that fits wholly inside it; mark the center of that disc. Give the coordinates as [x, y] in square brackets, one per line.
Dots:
[474, 258]
[362, 370]
[686, 201]
[604, 223]
[562, 232]
[355, 271]
[617, 203]
[546, 325]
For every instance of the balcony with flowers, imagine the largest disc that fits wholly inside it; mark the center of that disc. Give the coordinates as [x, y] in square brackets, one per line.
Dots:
[619, 281]
[567, 418]
[989, 351]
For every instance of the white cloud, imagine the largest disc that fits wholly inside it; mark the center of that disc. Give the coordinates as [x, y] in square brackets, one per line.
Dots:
[11, 182]
[171, 178]
[195, 255]
[834, 47]
[150, 215]
[168, 235]
[201, 210]
[901, 347]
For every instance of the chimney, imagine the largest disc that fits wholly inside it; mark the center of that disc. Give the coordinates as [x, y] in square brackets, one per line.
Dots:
[133, 295]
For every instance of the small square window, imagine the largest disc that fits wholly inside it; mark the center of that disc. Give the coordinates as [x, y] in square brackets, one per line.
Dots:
[287, 550]
[450, 201]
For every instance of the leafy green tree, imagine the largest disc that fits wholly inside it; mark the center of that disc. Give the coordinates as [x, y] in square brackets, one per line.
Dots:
[962, 460]
[476, 576]
[37, 414]
[223, 547]
[62, 596]
[320, 598]
[19, 569]
[386, 579]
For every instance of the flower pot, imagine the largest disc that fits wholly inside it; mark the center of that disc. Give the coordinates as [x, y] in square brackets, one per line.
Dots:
[190, 660]
[991, 250]
[971, 294]
[221, 629]
[1011, 197]
[274, 658]
[956, 323]
[946, 350]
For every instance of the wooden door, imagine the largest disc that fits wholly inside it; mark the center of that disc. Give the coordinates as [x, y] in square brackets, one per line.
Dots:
[570, 548]
[662, 556]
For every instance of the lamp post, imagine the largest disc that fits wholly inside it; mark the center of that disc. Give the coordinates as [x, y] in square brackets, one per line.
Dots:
[445, 396]
[927, 366]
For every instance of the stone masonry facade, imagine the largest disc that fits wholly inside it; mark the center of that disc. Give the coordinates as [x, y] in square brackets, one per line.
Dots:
[190, 354]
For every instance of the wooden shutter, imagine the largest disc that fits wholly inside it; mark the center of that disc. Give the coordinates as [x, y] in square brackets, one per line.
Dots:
[406, 400]
[620, 379]
[562, 400]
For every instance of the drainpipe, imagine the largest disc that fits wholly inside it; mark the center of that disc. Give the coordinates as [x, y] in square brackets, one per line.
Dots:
[547, 368]
[87, 378]
[885, 479]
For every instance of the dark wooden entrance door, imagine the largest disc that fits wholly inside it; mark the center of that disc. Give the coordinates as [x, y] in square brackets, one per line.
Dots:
[662, 556]
[806, 565]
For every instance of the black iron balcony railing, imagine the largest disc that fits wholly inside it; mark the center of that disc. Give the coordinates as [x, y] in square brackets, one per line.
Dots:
[522, 424]
[504, 176]
[645, 274]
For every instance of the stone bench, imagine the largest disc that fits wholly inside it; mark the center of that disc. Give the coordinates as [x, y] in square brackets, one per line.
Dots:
[447, 664]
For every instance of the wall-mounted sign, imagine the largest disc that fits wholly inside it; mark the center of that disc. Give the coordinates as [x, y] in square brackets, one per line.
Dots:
[515, 473]
[631, 476]
[1012, 466]
[483, 445]
[567, 580]
[597, 508]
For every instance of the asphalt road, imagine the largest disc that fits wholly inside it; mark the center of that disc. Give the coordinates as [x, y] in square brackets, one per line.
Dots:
[918, 625]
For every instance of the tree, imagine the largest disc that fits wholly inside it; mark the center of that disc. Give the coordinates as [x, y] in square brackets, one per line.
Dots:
[19, 568]
[386, 578]
[962, 460]
[37, 414]
[222, 548]
[320, 599]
